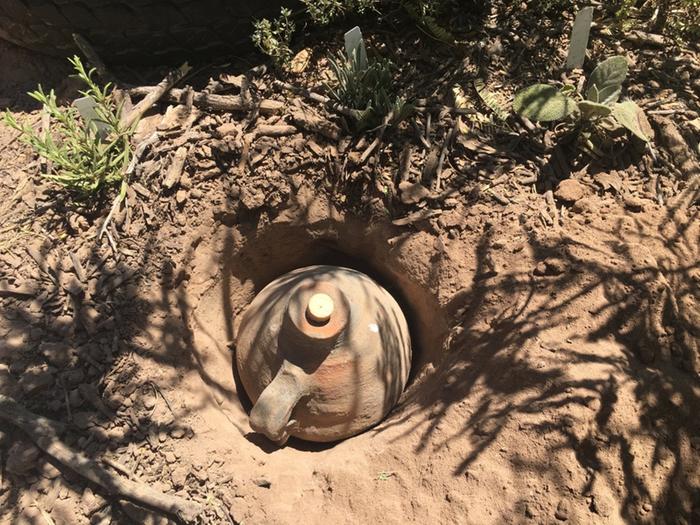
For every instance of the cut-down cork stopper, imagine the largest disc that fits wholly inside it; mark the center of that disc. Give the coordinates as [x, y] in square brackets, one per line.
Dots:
[320, 308]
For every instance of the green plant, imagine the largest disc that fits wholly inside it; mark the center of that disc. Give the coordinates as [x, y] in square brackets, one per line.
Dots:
[427, 13]
[598, 117]
[679, 19]
[366, 87]
[86, 156]
[274, 37]
[323, 12]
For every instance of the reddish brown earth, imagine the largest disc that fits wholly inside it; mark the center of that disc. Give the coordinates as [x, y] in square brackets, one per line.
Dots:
[556, 366]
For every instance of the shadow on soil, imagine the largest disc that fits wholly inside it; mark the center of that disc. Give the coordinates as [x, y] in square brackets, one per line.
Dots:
[486, 364]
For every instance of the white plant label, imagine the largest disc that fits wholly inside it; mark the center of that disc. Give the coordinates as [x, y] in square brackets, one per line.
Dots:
[355, 46]
[579, 38]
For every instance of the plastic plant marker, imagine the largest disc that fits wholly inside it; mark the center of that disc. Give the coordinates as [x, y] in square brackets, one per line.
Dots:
[579, 38]
[86, 107]
[355, 47]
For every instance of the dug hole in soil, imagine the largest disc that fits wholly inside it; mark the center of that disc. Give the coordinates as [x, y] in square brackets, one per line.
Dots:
[555, 364]
[519, 397]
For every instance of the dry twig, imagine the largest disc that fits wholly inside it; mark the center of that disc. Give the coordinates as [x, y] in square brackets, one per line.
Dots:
[42, 432]
[154, 95]
[212, 102]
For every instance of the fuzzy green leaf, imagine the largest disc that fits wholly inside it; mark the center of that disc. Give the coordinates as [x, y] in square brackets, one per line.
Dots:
[543, 103]
[605, 83]
[629, 114]
[590, 110]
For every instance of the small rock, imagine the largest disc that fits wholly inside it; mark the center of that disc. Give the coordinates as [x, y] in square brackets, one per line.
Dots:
[179, 476]
[570, 190]
[75, 399]
[634, 204]
[72, 378]
[8, 384]
[530, 511]
[58, 354]
[149, 402]
[202, 475]
[602, 505]
[142, 515]
[229, 128]
[178, 433]
[262, 482]
[117, 434]
[102, 517]
[647, 507]
[36, 378]
[562, 512]
[181, 197]
[252, 199]
[170, 457]
[83, 420]
[22, 457]
[115, 401]
[550, 267]
[413, 192]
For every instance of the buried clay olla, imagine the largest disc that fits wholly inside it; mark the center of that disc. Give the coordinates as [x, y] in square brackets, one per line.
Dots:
[324, 353]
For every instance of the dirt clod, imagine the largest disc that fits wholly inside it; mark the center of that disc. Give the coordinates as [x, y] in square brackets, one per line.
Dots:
[562, 512]
[570, 191]
[21, 458]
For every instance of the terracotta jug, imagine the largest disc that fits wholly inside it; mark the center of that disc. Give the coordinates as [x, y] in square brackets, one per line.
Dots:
[324, 353]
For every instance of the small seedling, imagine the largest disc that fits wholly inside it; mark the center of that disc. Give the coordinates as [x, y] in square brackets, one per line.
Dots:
[366, 85]
[598, 118]
[89, 154]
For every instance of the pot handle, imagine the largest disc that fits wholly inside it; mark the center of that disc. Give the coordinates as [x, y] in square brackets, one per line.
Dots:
[272, 411]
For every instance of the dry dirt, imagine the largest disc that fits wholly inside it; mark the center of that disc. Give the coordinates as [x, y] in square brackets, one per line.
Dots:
[555, 334]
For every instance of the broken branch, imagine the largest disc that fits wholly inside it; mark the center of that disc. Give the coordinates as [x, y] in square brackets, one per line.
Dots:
[211, 101]
[155, 94]
[42, 432]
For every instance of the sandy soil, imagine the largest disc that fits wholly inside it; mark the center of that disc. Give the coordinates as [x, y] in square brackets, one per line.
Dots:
[555, 376]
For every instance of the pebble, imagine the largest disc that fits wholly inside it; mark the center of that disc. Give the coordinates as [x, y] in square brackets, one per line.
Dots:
[36, 378]
[75, 399]
[170, 457]
[72, 378]
[8, 384]
[59, 355]
[562, 512]
[551, 267]
[252, 199]
[634, 204]
[22, 457]
[602, 505]
[262, 482]
[570, 190]
[114, 401]
[177, 433]
[412, 192]
[181, 197]
[117, 433]
[149, 402]
[83, 420]
[179, 476]
[530, 511]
